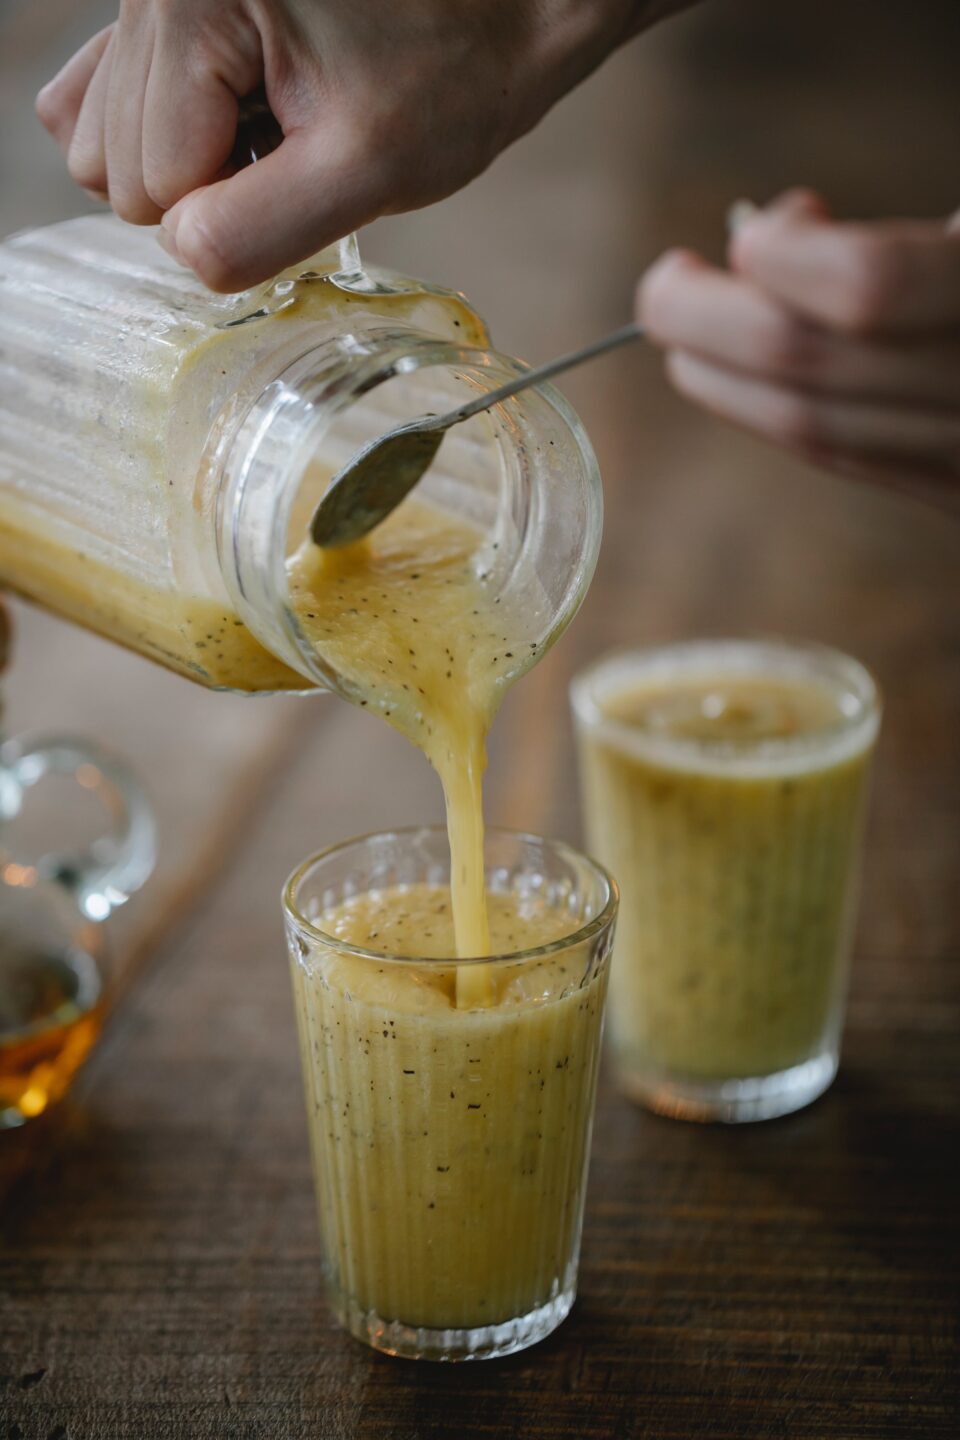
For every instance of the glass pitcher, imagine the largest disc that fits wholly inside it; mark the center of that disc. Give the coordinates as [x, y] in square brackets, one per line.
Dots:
[162, 448]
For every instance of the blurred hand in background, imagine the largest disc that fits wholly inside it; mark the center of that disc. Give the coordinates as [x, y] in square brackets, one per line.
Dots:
[383, 108]
[837, 340]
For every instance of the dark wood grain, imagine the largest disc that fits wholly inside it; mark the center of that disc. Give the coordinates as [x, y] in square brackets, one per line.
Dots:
[159, 1275]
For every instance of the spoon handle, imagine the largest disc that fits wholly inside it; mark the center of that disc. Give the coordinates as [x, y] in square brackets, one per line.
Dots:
[623, 336]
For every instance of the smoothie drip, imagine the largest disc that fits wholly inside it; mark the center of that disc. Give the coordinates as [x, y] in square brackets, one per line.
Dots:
[408, 620]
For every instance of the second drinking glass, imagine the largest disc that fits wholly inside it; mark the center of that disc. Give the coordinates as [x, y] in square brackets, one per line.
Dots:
[724, 783]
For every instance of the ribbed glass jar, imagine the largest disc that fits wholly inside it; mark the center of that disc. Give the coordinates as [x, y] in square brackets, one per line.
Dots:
[161, 447]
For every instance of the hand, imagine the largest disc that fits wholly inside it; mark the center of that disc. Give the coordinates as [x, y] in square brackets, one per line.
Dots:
[839, 341]
[383, 107]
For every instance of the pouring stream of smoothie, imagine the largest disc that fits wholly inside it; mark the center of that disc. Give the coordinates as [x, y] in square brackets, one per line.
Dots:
[414, 631]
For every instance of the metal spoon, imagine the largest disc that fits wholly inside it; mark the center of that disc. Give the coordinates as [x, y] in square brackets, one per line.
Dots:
[386, 469]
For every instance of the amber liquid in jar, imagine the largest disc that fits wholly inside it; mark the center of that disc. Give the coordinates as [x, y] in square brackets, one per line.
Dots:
[51, 1013]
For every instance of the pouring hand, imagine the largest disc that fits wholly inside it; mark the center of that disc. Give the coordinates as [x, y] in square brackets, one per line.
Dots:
[839, 341]
[383, 108]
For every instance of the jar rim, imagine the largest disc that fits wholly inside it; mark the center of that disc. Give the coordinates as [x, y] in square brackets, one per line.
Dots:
[307, 396]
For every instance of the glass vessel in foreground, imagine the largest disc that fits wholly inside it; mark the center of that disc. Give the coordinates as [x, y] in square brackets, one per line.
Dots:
[450, 1145]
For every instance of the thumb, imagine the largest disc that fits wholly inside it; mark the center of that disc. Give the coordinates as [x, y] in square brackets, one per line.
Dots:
[243, 230]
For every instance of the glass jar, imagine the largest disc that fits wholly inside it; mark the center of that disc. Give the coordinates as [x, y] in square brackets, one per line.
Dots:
[60, 881]
[162, 448]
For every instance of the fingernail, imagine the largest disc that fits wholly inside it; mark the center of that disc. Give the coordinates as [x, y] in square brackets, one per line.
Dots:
[739, 213]
[167, 240]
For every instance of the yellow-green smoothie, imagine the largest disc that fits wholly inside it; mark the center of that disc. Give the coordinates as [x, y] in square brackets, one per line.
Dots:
[449, 1145]
[724, 784]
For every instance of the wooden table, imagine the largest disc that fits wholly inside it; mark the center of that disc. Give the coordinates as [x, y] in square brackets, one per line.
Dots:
[160, 1270]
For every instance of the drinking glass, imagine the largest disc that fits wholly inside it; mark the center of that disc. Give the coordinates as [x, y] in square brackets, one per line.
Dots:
[450, 1145]
[738, 859]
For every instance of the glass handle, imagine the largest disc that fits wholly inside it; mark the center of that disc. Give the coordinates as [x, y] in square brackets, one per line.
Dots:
[112, 867]
[351, 276]
[350, 262]
[258, 135]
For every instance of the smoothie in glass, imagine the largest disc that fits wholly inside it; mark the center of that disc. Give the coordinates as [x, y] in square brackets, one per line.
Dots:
[724, 784]
[449, 1144]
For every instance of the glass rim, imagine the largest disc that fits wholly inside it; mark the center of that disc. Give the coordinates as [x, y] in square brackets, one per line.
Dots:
[590, 928]
[852, 734]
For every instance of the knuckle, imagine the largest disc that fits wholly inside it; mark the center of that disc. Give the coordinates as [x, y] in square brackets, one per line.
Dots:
[161, 186]
[133, 205]
[86, 168]
[875, 277]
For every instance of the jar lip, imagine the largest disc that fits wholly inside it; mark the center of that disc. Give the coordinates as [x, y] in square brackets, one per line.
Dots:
[587, 931]
[771, 657]
[370, 359]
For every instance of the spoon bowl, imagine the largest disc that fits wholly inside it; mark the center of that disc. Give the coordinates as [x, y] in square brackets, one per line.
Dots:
[386, 469]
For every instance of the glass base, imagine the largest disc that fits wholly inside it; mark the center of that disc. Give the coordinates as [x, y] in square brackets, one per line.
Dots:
[481, 1342]
[762, 1097]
